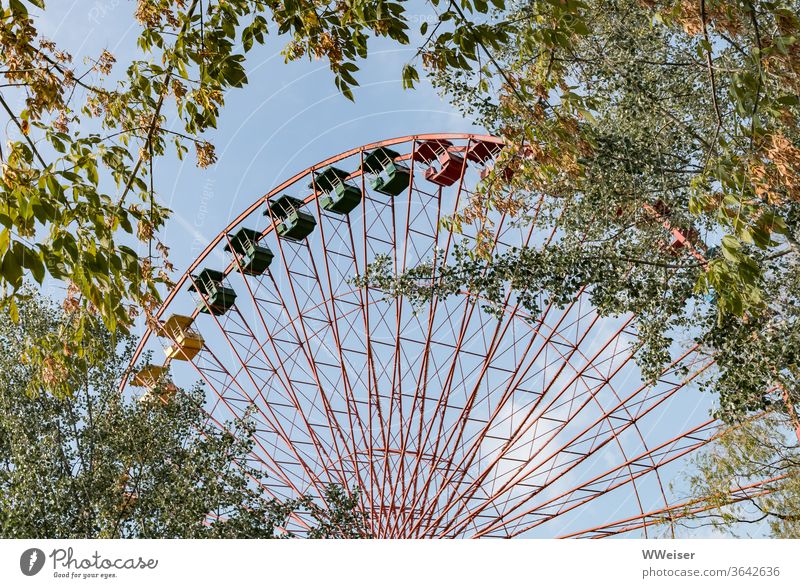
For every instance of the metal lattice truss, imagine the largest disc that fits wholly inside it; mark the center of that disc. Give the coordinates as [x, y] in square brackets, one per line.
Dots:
[450, 421]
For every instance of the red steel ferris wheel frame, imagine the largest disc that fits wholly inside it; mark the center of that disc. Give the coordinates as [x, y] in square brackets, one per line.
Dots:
[451, 506]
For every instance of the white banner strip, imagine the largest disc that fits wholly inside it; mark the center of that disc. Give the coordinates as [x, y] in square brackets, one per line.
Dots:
[407, 564]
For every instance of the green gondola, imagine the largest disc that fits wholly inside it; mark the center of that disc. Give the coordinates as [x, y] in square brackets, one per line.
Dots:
[254, 259]
[216, 297]
[293, 223]
[339, 195]
[391, 177]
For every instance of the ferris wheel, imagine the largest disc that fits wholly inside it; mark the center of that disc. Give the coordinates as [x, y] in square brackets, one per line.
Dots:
[449, 421]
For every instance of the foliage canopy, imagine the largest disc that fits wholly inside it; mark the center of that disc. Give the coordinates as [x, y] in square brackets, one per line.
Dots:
[97, 464]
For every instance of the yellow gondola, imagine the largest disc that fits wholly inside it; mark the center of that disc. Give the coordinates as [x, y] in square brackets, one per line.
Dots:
[185, 342]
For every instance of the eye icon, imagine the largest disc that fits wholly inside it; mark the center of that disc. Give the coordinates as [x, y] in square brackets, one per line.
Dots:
[31, 561]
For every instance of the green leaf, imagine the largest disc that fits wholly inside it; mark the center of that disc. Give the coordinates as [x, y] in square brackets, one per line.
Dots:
[32, 261]
[409, 76]
[12, 269]
[13, 310]
[18, 8]
[247, 39]
[730, 243]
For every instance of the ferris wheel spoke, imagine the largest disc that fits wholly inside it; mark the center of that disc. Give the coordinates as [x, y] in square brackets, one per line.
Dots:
[544, 315]
[427, 233]
[352, 338]
[425, 237]
[673, 513]
[419, 397]
[476, 446]
[467, 410]
[271, 470]
[511, 474]
[637, 467]
[416, 421]
[457, 431]
[208, 356]
[603, 484]
[530, 420]
[247, 367]
[272, 408]
[388, 233]
[331, 323]
[553, 467]
[399, 355]
[300, 340]
[371, 220]
[465, 415]
[424, 433]
[638, 433]
[353, 414]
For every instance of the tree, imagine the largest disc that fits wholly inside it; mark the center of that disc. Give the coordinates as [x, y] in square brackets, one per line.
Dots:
[755, 453]
[96, 464]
